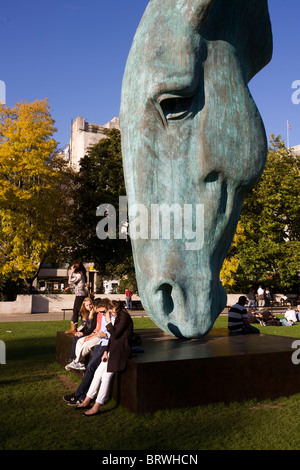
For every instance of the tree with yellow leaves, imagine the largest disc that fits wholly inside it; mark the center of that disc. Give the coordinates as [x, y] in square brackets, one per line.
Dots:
[266, 247]
[231, 262]
[31, 180]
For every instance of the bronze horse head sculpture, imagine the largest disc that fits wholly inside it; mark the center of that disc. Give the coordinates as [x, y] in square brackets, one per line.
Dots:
[193, 145]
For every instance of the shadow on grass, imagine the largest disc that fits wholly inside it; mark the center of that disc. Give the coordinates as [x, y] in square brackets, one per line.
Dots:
[26, 380]
[43, 348]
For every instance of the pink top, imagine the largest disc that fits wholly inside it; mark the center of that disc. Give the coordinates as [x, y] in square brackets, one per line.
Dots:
[99, 321]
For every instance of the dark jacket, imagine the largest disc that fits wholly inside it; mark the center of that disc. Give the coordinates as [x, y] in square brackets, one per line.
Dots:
[90, 325]
[119, 345]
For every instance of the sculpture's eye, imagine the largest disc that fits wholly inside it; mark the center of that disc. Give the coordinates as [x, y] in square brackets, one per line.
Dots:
[176, 108]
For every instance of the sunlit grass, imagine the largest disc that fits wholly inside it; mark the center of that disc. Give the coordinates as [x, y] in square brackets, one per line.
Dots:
[34, 416]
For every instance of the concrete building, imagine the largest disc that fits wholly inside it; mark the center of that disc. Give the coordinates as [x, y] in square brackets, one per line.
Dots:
[84, 136]
[53, 277]
[296, 150]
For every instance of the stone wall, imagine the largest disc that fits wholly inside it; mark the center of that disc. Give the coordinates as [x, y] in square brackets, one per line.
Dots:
[47, 303]
[50, 303]
[23, 304]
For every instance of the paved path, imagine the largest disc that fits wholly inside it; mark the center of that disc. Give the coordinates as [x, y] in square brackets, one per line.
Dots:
[56, 316]
[53, 316]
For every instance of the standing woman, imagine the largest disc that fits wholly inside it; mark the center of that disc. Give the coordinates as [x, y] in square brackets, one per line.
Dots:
[79, 279]
[114, 359]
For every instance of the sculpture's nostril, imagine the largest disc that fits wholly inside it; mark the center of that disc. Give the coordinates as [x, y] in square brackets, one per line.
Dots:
[167, 299]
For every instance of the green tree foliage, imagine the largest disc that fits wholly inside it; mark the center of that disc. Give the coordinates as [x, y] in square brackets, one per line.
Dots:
[128, 282]
[100, 181]
[270, 249]
[31, 189]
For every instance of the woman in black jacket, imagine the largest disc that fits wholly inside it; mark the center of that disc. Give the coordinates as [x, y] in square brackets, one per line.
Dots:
[89, 327]
[114, 359]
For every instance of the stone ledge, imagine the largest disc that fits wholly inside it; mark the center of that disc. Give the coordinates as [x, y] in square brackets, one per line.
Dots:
[172, 373]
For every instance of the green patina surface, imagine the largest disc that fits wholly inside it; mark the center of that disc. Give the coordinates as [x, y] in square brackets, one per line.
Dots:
[192, 135]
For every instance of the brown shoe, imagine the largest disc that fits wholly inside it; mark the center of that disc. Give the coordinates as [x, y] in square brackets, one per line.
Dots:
[72, 330]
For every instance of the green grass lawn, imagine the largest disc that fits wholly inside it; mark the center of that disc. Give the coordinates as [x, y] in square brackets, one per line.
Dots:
[289, 331]
[34, 416]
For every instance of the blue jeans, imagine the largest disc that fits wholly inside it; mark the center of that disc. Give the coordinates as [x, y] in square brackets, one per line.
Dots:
[89, 372]
[250, 330]
[286, 323]
[246, 330]
[73, 347]
[129, 303]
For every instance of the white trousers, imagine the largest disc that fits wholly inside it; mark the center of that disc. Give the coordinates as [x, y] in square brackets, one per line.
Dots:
[84, 347]
[101, 375]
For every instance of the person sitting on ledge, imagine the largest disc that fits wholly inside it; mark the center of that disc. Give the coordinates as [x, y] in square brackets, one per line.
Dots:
[84, 343]
[79, 395]
[84, 312]
[238, 322]
[89, 326]
[114, 358]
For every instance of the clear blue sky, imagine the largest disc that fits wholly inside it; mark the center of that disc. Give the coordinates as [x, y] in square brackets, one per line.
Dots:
[73, 52]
